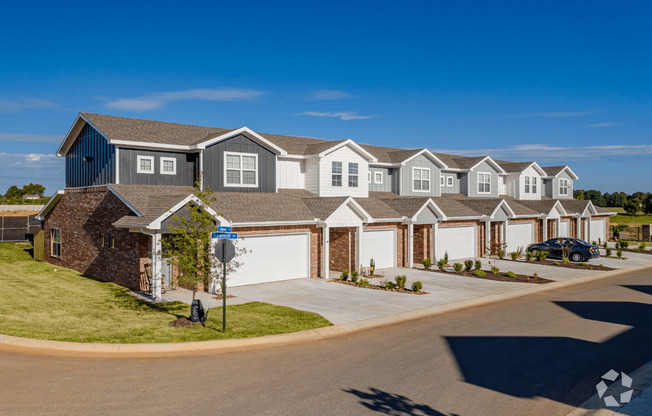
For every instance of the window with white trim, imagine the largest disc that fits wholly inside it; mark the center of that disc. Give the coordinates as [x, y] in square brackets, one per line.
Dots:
[241, 169]
[378, 177]
[55, 242]
[168, 166]
[336, 173]
[484, 183]
[527, 184]
[449, 181]
[353, 175]
[442, 180]
[564, 184]
[369, 176]
[420, 179]
[145, 164]
[534, 184]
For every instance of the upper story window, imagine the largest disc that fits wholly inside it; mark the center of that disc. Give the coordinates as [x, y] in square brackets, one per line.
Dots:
[378, 177]
[449, 181]
[353, 175]
[55, 242]
[145, 164]
[527, 184]
[369, 176]
[420, 179]
[564, 184]
[534, 184]
[241, 169]
[442, 180]
[336, 174]
[484, 183]
[168, 166]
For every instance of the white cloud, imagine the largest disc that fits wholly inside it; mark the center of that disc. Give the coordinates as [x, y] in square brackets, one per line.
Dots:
[30, 138]
[26, 104]
[559, 114]
[160, 99]
[329, 95]
[343, 115]
[22, 168]
[602, 124]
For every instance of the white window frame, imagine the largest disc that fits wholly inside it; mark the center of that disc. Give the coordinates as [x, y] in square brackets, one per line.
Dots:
[162, 161]
[564, 184]
[369, 176]
[449, 181]
[335, 174]
[533, 184]
[54, 241]
[351, 176]
[527, 184]
[139, 170]
[442, 181]
[241, 169]
[487, 183]
[378, 175]
[421, 179]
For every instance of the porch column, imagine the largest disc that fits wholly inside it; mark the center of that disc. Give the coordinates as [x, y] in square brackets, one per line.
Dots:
[545, 228]
[156, 261]
[588, 229]
[358, 249]
[435, 242]
[505, 228]
[557, 225]
[410, 245]
[326, 239]
[487, 237]
[578, 225]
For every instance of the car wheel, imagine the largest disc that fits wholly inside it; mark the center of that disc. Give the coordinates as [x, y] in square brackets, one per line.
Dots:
[576, 257]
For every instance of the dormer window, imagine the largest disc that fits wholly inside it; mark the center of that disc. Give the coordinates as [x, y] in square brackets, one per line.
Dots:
[534, 184]
[336, 173]
[145, 164]
[241, 169]
[168, 166]
[564, 184]
[527, 184]
[353, 175]
[421, 179]
[484, 183]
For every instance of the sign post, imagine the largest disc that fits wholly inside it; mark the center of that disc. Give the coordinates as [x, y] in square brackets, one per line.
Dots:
[225, 252]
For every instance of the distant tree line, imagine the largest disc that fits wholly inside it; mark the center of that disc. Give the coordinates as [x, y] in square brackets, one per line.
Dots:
[15, 195]
[638, 201]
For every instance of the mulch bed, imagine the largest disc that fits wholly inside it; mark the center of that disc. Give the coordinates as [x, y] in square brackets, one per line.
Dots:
[570, 265]
[520, 278]
[376, 287]
[219, 296]
[629, 250]
[183, 322]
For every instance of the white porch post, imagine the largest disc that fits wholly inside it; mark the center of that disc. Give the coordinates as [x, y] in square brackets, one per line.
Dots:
[435, 242]
[487, 237]
[505, 228]
[358, 250]
[545, 228]
[588, 229]
[410, 244]
[578, 233]
[557, 225]
[326, 243]
[156, 261]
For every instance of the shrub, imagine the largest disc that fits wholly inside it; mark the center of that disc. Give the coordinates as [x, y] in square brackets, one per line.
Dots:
[495, 270]
[441, 264]
[417, 286]
[354, 276]
[604, 245]
[372, 266]
[641, 247]
[477, 265]
[608, 250]
[446, 256]
[468, 265]
[624, 244]
[511, 274]
[400, 281]
[364, 283]
[501, 254]
[619, 253]
[458, 267]
[344, 275]
[617, 245]
[427, 262]
[565, 260]
[528, 257]
[541, 255]
[582, 264]
[556, 263]
[390, 285]
[601, 265]
[535, 275]
[514, 255]
[479, 273]
[595, 243]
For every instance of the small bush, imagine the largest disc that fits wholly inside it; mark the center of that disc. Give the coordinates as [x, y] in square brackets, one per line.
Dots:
[556, 263]
[595, 243]
[495, 270]
[582, 264]
[565, 260]
[619, 253]
[417, 286]
[372, 266]
[624, 244]
[427, 262]
[479, 273]
[344, 276]
[641, 247]
[501, 254]
[604, 245]
[477, 265]
[458, 267]
[354, 276]
[400, 281]
[364, 282]
[601, 265]
[441, 264]
[390, 285]
[468, 265]
[608, 250]
[514, 255]
[617, 245]
[511, 274]
[528, 256]
[535, 275]
[542, 255]
[446, 256]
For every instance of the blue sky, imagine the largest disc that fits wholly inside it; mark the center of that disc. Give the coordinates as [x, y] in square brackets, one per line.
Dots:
[559, 82]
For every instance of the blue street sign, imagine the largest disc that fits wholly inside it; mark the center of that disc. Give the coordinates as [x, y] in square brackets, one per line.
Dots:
[229, 236]
[224, 229]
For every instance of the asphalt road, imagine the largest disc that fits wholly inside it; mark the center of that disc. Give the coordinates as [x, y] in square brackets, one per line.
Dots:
[538, 355]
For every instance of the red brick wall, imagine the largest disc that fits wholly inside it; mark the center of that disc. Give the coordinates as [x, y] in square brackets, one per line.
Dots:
[422, 242]
[81, 215]
[342, 248]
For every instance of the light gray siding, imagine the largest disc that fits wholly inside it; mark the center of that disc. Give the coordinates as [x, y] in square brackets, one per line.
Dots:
[387, 182]
[484, 167]
[186, 165]
[500, 215]
[464, 183]
[214, 165]
[547, 187]
[555, 186]
[427, 216]
[455, 189]
[406, 179]
[90, 160]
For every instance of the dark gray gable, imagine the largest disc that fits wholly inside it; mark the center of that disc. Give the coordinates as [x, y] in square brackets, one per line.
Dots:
[90, 160]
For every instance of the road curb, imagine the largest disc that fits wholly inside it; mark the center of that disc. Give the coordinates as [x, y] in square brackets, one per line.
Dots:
[96, 350]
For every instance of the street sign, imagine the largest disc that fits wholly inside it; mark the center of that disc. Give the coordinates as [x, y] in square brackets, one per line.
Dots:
[225, 251]
[222, 229]
[230, 236]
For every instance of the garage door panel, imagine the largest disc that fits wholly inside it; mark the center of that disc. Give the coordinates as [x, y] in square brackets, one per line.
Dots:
[459, 242]
[519, 235]
[271, 258]
[598, 230]
[379, 245]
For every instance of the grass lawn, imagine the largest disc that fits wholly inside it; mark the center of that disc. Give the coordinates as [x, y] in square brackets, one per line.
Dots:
[625, 218]
[38, 302]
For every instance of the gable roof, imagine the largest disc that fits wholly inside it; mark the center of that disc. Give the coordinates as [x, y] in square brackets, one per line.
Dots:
[556, 170]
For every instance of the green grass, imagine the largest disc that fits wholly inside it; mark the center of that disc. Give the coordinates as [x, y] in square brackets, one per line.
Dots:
[38, 302]
[624, 218]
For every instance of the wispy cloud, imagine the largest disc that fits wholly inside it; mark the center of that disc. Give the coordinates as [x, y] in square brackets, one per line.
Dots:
[343, 115]
[22, 168]
[160, 99]
[601, 124]
[558, 114]
[26, 104]
[329, 95]
[546, 153]
[30, 138]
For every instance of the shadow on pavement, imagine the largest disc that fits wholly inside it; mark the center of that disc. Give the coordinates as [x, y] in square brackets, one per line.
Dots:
[393, 404]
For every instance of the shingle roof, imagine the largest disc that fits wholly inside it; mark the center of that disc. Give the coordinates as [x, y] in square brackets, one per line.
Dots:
[481, 205]
[403, 206]
[300, 145]
[543, 206]
[322, 208]
[286, 205]
[390, 154]
[513, 167]
[464, 162]
[574, 206]
[553, 170]
[452, 207]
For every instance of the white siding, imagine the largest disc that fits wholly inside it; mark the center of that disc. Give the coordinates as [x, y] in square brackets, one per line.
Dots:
[502, 185]
[290, 174]
[531, 173]
[344, 216]
[511, 186]
[345, 155]
[312, 175]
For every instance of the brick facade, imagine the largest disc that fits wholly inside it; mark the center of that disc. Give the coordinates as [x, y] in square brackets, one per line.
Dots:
[342, 248]
[421, 242]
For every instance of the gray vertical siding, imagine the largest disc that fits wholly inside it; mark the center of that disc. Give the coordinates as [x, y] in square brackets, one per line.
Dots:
[555, 186]
[547, 187]
[214, 165]
[484, 167]
[464, 183]
[427, 216]
[406, 176]
[388, 178]
[455, 189]
[99, 166]
[186, 168]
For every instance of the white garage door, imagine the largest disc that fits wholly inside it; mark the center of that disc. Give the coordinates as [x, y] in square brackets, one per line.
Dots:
[271, 258]
[459, 242]
[519, 235]
[379, 245]
[564, 227]
[598, 231]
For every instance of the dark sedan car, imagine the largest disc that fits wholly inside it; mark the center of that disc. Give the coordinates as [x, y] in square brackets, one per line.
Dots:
[576, 249]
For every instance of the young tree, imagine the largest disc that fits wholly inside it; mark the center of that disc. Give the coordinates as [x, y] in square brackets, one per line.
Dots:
[632, 206]
[647, 205]
[578, 194]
